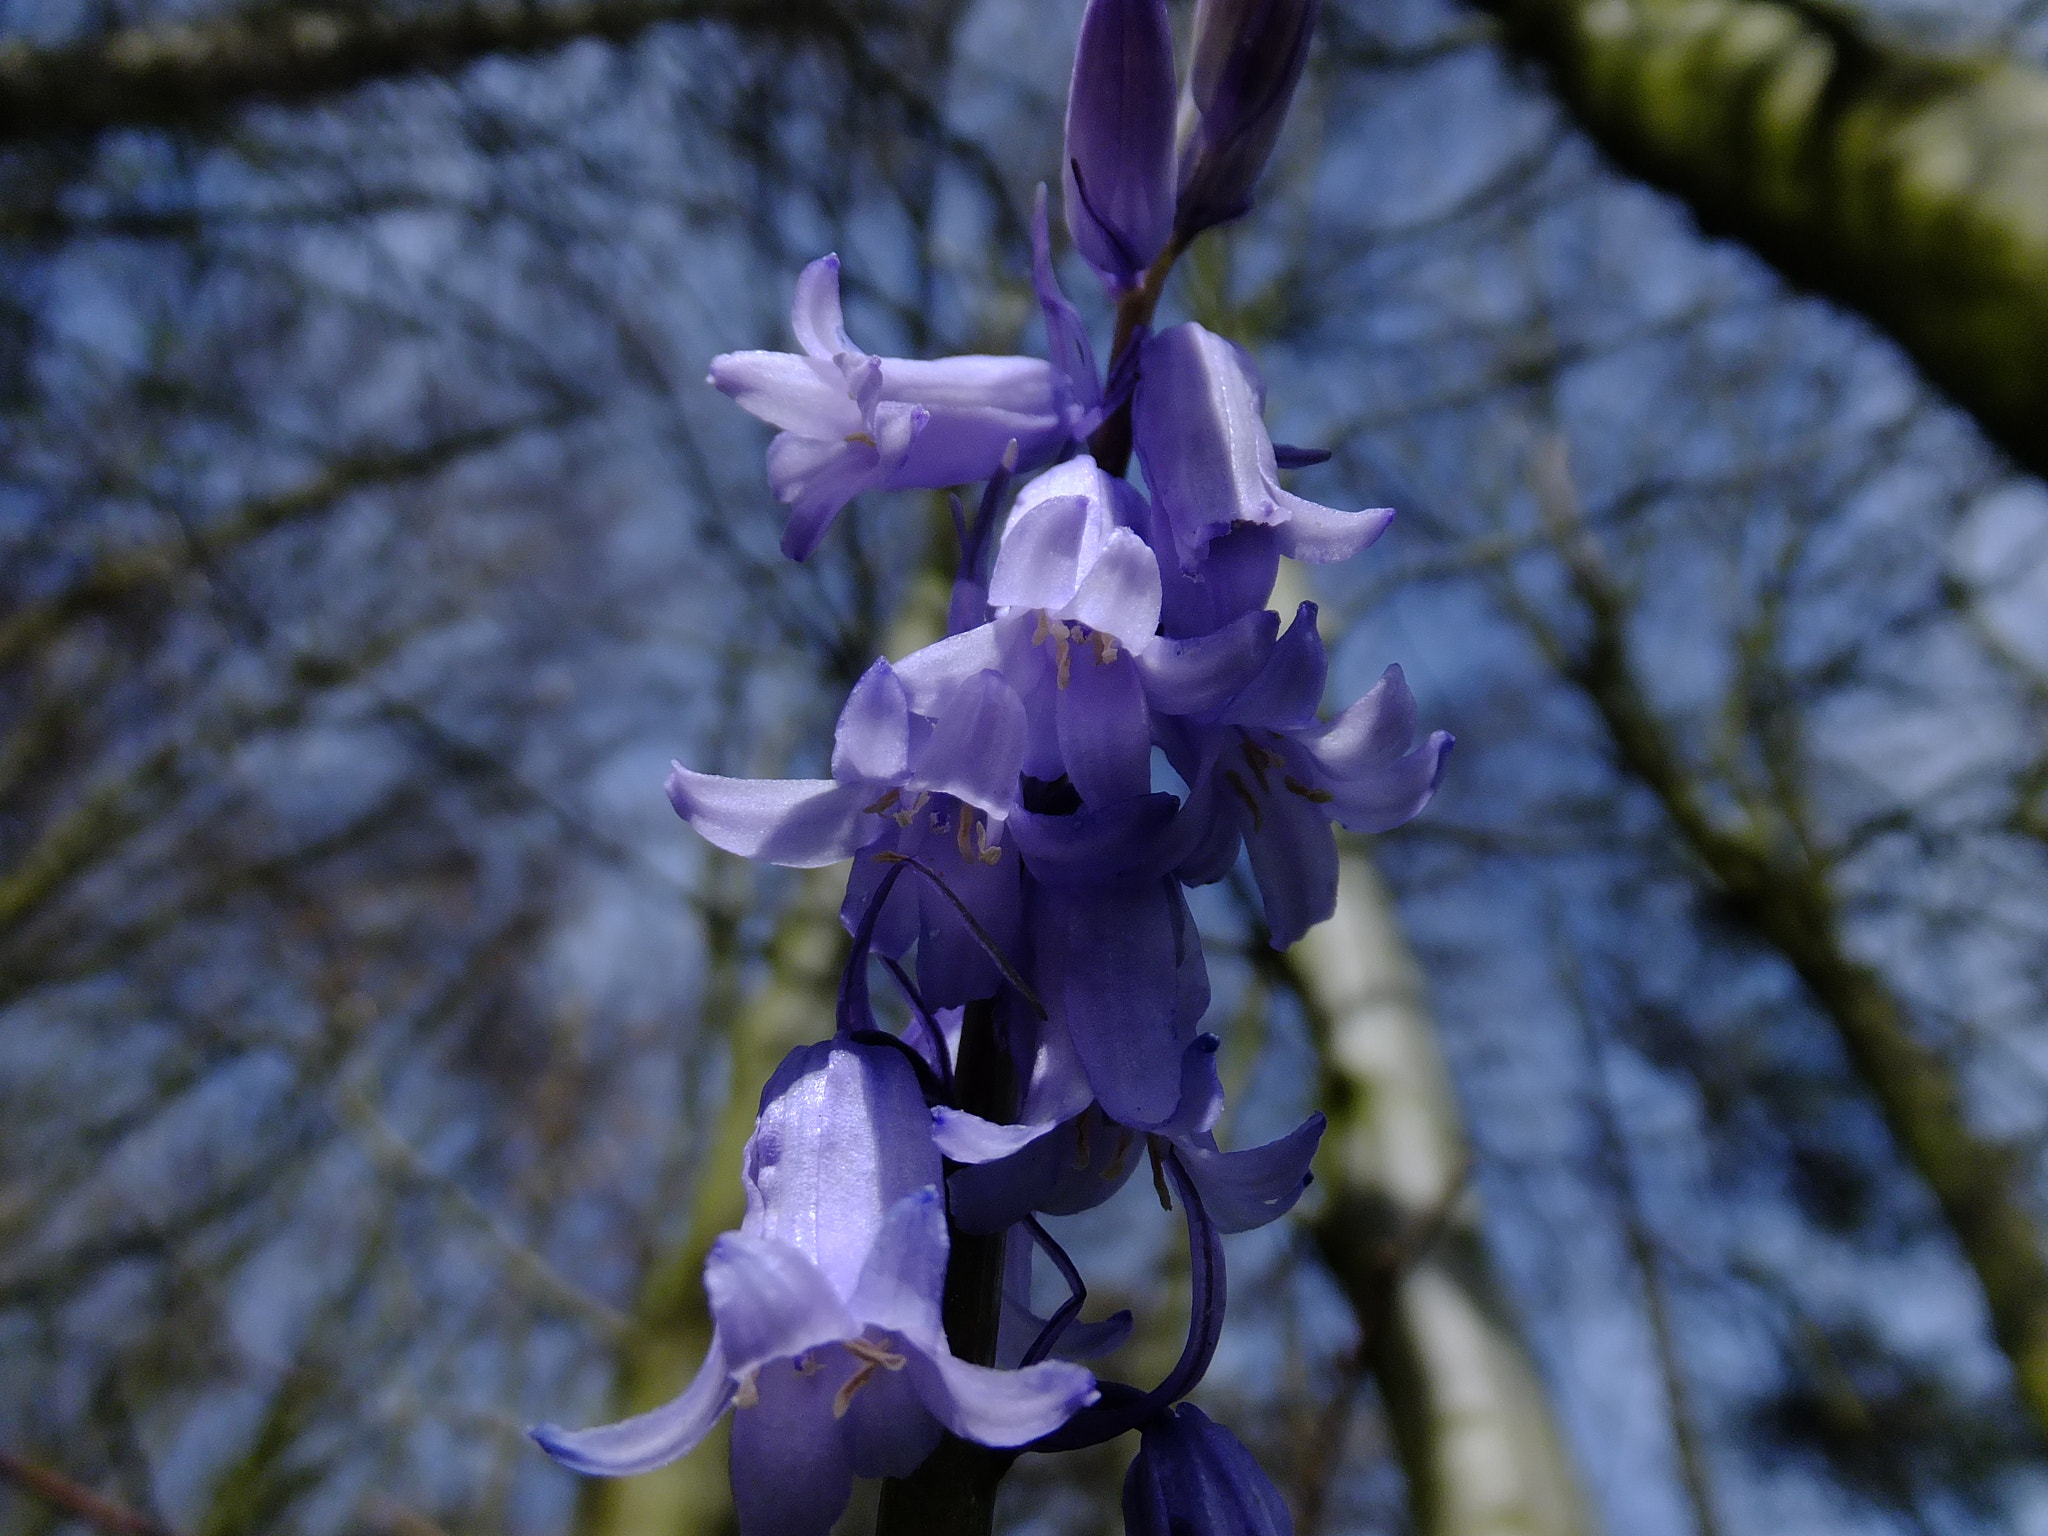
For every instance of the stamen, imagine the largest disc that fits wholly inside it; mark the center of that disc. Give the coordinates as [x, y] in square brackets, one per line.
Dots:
[747, 1394]
[1105, 647]
[888, 799]
[873, 1357]
[1313, 796]
[1244, 793]
[1038, 635]
[862, 437]
[843, 1398]
[986, 854]
[1259, 757]
[1062, 649]
[1159, 1174]
[965, 837]
[905, 817]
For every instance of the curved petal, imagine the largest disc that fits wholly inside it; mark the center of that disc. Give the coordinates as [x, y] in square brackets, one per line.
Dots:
[792, 1471]
[1319, 534]
[1381, 801]
[900, 1286]
[1294, 859]
[968, 1138]
[872, 742]
[1045, 548]
[976, 747]
[933, 671]
[1289, 688]
[648, 1440]
[1374, 730]
[770, 1301]
[814, 312]
[814, 478]
[1249, 1188]
[999, 1408]
[1105, 730]
[786, 391]
[1234, 577]
[1195, 675]
[800, 823]
[1120, 593]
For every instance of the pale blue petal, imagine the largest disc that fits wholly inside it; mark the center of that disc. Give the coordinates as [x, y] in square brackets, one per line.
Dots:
[968, 1138]
[800, 823]
[1246, 1189]
[792, 1470]
[1120, 593]
[770, 1301]
[1043, 552]
[1193, 676]
[648, 1440]
[900, 1287]
[873, 741]
[999, 1408]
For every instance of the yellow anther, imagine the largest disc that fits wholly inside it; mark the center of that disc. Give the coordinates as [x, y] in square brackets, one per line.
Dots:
[1038, 635]
[747, 1394]
[862, 437]
[964, 834]
[1064, 652]
[1105, 647]
[1313, 796]
[889, 798]
[873, 1357]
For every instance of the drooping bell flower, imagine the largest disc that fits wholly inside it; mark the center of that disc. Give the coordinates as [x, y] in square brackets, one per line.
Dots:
[1009, 1172]
[1267, 773]
[827, 1342]
[1119, 171]
[929, 774]
[1198, 423]
[1193, 1477]
[1248, 59]
[853, 422]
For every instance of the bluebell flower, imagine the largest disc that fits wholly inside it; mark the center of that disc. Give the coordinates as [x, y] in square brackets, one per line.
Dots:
[1269, 775]
[1193, 1477]
[1009, 1172]
[931, 773]
[1119, 169]
[1249, 56]
[1198, 423]
[827, 1341]
[853, 422]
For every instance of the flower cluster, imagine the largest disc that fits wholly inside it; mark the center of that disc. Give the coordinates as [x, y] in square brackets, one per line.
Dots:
[1016, 867]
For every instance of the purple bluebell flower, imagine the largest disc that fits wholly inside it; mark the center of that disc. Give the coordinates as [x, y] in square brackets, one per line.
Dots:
[1009, 1172]
[853, 422]
[1119, 171]
[1197, 420]
[1248, 59]
[1267, 772]
[1193, 1477]
[933, 783]
[827, 1341]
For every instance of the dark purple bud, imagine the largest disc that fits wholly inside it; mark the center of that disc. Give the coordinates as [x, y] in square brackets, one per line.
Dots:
[1193, 1477]
[1119, 172]
[1248, 58]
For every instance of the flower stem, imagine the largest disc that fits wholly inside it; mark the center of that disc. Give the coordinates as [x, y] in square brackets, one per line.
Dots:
[954, 1492]
[1111, 444]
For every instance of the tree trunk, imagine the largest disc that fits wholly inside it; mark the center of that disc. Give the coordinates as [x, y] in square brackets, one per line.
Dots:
[1910, 187]
[1470, 1419]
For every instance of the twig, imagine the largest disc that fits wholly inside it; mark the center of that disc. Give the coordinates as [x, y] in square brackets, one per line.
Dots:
[81, 1503]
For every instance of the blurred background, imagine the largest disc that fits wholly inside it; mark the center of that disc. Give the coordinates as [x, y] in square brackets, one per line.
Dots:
[369, 542]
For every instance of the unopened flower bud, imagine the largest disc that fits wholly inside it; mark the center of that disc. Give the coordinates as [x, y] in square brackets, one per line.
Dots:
[1248, 57]
[1119, 172]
